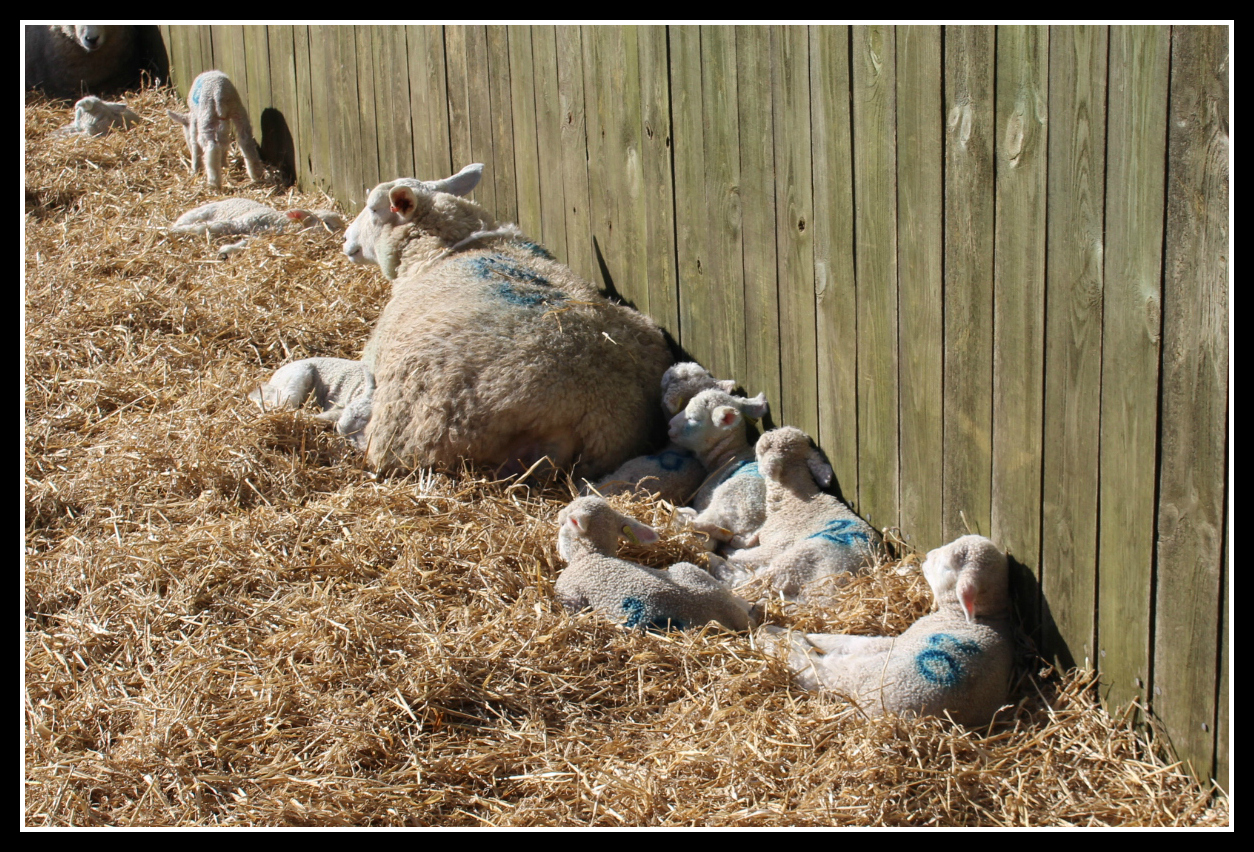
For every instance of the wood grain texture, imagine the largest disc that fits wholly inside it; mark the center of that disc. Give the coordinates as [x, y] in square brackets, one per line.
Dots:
[283, 92]
[920, 261]
[549, 161]
[1074, 249]
[1021, 146]
[696, 291]
[1136, 169]
[761, 373]
[968, 281]
[391, 71]
[570, 86]
[657, 181]
[522, 100]
[1195, 392]
[305, 92]
[875, 200]
[835, 286]
[366, 39]
[501, 124]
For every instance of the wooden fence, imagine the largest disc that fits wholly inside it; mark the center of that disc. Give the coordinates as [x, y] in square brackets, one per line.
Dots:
[986, 268]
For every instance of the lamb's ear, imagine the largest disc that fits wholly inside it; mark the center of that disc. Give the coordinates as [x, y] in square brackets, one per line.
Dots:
[404, 202]
[756, 408]
[639, 533]
[725, 417]
[298, 215]
[461, 183]
[181, 118]
[968, 592]
[820, 469]
[727, 386]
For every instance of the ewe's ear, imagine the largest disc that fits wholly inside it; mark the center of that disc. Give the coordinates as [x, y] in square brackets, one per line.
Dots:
[461, 183]
[404, 202]
[178, 116]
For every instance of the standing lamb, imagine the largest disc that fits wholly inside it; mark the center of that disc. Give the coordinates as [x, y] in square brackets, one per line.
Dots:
[342, 389]
[214, 108]
[66, 60]
[681, 596]
[731, 504]
[808, 534]
[245, 216]
[496, 353]
[94, 117]
[958, 660]
[673, 473]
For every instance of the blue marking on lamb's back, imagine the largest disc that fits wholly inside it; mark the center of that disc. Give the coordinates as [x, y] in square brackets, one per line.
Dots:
[672, 459]
[194, 97]
[637, 610]
[748, 468]
[844, 532]
[940, 664]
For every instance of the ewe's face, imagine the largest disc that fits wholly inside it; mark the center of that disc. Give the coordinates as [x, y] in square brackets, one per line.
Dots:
[374, 219]
[88, 36]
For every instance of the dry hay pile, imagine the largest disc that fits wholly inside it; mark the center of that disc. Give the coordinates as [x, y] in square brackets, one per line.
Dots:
[228, 621]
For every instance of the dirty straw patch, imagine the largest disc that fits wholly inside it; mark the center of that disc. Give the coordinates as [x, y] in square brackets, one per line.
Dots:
[230, 622]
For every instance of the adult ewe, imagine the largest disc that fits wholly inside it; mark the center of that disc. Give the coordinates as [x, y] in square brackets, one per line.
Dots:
[490, 350]
[70, 59]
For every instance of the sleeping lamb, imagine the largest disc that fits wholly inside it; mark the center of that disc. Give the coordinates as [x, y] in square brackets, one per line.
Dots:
[681, 596]
[341, 388]
[492, 351]
[957, 660]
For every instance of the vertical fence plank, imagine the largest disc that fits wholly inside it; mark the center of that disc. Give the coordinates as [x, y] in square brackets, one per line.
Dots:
[1074, 249]
[501, 125]
[366, 43]
[1136, 166]
[757, 217]
[522, 89]
[282, 63]
[305, 94]
[920, 256]
[722, 269]
[321, 56]
[612, 96]
[1222, 743]
[347, 152]
[794, 233]
[228, 53]
[549, 121]
[575, 189]
[968, 280]
[697, 296]
[1194, 396]
[1021, 144]
[831, 140]
[390, 69]
[479, 114]
[438, 100]
[657, 188]
[257, 61]
[875, 200]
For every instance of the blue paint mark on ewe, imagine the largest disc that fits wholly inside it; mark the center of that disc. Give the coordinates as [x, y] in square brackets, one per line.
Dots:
[844, 532]
[939, 663]
[672, 459]
[496, 267]
[535, 248]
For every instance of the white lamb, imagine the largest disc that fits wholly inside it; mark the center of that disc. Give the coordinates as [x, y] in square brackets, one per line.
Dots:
[808, 534]
[673, 473]
[731, 504]
[66, 60]
[494, 352]
[958, 660]
[214, 108]
[245, 216]
[679, 597]
[342, 388]
[94, 117]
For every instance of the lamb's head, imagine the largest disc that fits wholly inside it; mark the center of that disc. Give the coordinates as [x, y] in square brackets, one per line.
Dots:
[328, 219]
[682, 381]
[397, 203]
[712, 416]
[87, 36]
[91, 105]
[786, 449]
[592, 520]
[974, 570]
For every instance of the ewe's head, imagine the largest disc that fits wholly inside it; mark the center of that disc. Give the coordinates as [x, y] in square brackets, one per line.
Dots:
[682, 381]
[396, 203]
[712, 416]
[87, 36]
[788, 448]
[974, 569]
[592, 519]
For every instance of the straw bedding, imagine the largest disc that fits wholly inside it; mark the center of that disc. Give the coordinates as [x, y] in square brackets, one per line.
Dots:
[229, 621]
